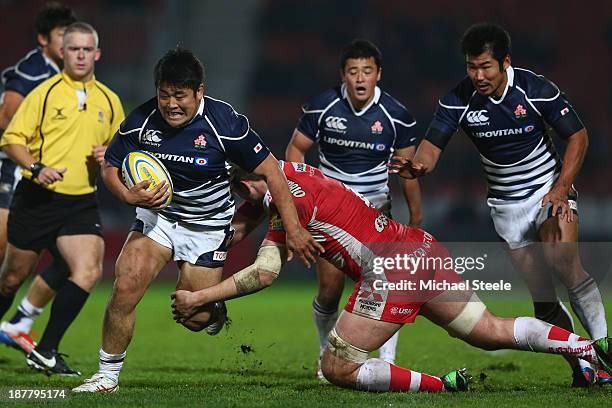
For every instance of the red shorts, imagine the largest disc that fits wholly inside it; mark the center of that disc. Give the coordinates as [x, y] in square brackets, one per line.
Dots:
[398, 297]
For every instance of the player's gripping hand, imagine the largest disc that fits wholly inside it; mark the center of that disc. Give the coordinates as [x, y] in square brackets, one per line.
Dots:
[154, 199]
[49, 175]
[184, 305]
[406, 168]
[557, 196]
[98, 151]
[300, 242]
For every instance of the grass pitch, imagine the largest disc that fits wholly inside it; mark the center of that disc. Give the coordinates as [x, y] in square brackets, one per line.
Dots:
[267, 358]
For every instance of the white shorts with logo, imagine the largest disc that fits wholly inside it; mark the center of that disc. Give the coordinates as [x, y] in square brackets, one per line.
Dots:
[192, 243]
[518, 222]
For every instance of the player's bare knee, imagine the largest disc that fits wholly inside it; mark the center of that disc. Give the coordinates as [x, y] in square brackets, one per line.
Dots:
[88, 277]
[126, 284]
[328, 363]
[127, 291]
[341, 361]
[337, 370]
[10, 282]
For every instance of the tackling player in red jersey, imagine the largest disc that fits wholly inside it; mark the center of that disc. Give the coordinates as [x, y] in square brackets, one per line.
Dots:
[355, 235]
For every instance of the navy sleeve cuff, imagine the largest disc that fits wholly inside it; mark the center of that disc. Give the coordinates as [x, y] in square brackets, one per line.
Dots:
[437, 137]
[567, 125]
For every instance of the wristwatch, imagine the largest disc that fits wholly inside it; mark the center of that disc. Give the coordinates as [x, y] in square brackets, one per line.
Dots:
[35, 168]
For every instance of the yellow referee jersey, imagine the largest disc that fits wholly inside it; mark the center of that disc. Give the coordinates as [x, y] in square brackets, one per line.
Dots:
[59, 122]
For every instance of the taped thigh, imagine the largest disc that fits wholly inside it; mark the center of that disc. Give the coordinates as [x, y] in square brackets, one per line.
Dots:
[463, 324]
[345, 350]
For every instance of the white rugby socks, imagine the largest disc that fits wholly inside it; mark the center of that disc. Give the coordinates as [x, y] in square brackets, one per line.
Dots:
[588, 306]
[325, 320]
[25, 316]
[378, 375]
[111, 364]
[532, 334]
[387, 350]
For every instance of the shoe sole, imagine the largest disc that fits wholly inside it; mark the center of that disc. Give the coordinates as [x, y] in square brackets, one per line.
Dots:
[103, 391]
[35, 366]
[46, 370]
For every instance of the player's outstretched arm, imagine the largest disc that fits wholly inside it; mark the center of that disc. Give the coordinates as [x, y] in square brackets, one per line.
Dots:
[423, 162]
[299, 240]
[573, 158]
[138, 195]
[411, 190]
[255, 277]
[297, 147]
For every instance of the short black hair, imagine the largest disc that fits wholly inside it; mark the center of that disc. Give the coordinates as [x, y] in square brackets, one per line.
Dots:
[360, 48]
[483, 37]
[53, 15]
[180, 68]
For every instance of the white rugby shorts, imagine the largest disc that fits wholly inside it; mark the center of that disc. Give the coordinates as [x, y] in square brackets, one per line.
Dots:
[189, 242]
[518, 222]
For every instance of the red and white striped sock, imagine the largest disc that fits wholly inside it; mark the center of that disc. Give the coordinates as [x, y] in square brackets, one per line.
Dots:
[535, 335]
[378, 375]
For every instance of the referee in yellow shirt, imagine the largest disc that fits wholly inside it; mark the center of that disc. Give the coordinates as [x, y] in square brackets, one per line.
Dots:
[58, 136]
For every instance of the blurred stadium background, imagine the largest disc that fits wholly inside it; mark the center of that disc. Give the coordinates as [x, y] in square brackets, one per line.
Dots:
[268, 57]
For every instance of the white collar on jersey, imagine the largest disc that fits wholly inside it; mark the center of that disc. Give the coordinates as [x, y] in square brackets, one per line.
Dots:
[49, 61]
[377, 93]
[510, 73]
[199, 112]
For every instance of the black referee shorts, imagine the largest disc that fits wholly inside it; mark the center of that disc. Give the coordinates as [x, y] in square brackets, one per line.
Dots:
[38, 216]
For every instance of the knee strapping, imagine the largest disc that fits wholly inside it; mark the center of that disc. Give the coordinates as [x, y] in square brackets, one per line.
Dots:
[466, 320]
[345, 350]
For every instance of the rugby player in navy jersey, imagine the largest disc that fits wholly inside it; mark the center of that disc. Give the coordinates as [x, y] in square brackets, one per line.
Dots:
[357, 127]
[18, 80]
[505, 111]
[194, 136]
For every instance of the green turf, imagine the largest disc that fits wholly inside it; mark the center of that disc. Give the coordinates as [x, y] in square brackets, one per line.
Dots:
[167, 365]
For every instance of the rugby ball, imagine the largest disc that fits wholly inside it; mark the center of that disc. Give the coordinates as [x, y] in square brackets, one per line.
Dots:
[139, 166]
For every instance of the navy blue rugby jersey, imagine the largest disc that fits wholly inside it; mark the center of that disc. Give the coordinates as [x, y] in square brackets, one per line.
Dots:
[195, 155]
[354, 147]
[516, 150]
[29, 72]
